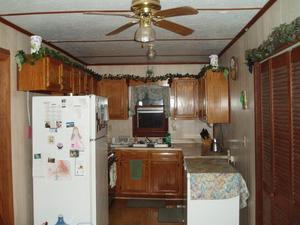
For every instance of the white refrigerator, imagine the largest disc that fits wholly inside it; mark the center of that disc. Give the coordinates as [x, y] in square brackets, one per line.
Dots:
[70, 159]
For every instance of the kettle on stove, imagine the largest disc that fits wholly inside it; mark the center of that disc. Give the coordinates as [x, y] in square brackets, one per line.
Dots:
[215, 147]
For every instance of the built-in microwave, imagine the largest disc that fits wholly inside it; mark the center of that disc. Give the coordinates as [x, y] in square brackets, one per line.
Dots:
[150, 121]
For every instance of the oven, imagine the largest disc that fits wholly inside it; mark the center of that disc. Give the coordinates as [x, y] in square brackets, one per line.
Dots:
[111, 162]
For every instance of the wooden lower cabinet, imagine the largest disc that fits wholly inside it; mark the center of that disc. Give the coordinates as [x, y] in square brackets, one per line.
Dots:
[129, 185]
[161, 174]
[166, 173]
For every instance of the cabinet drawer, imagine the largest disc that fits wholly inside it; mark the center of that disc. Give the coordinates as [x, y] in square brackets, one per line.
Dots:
[134, 154]
[164, 156]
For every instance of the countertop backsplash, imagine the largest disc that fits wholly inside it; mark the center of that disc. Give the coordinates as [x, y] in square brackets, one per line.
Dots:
[182, 131]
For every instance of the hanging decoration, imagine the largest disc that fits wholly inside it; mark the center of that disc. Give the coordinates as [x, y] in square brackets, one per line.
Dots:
[22, 58]
[283, 34]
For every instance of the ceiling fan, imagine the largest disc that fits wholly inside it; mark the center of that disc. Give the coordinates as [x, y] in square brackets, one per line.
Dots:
[146, 13]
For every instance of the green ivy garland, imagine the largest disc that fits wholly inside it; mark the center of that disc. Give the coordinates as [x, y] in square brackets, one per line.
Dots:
[283, 34]
[22, 58]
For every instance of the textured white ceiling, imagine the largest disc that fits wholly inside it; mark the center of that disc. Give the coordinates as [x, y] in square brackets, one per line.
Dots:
[18, 6]
[89, 30]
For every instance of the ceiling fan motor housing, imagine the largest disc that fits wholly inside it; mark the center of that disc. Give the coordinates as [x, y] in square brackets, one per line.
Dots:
[140, 5]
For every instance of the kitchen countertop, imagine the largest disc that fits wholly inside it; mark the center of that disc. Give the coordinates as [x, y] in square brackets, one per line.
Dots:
[189, 150]
[208, 165]
[197, 150]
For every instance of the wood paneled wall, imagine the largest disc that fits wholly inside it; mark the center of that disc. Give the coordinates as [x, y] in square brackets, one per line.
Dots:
[277, 88]
[6, 186]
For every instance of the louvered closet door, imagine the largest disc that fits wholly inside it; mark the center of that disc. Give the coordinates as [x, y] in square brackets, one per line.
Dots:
[266, 143]
[281, 139]
[296, 135]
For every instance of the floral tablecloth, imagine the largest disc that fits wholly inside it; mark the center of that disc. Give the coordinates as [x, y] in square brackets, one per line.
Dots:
[216, 179]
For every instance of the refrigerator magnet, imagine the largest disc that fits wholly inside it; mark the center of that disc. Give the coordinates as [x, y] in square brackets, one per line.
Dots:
[58, 124]
[79, 167]
[63, 103]
[37, 156]
[76, 140]
[74, 153]
[51, 160]
[59, 145]
[51, 139]
[70, 124]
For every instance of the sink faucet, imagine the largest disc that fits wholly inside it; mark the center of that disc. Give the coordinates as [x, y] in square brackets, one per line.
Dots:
[148, 139]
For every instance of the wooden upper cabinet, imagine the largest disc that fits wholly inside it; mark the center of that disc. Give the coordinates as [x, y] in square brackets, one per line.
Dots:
[202, 100]
[184, 98]
[66, 78]
[89, 85]
[44, 75]
[76, 81]
[82, 83]
[117, 93]
[214, 104]
[50, 75]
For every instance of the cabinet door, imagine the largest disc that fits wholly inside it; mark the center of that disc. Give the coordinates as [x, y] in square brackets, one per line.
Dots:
[166, 174]
[76, 81]
[217, 97]
[53, 76]
[202, 100]
[66, 78]
[82, 83]
[117, 93]
[44, 75]
[89, 84]
[130, 185]
[185, 95]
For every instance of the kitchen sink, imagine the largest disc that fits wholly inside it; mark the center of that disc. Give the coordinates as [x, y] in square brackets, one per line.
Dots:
[150, 145]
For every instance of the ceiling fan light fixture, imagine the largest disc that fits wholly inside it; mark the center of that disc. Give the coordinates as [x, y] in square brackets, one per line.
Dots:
[145, 34]
[151, 53]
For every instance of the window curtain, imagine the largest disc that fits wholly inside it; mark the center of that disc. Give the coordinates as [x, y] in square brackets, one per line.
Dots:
[151, 92]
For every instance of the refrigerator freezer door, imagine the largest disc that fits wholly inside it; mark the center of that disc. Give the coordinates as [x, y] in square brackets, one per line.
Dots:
[99, 116]
[61, 159]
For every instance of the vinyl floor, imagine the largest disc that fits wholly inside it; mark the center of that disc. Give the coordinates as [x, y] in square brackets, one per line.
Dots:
[120, 214]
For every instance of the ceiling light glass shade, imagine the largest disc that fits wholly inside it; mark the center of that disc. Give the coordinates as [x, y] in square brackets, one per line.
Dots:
[144, 34]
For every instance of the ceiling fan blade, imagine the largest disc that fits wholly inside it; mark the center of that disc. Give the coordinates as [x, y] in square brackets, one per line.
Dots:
[174, 27]
[122, 28]
[180, 11]
[110, 14]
